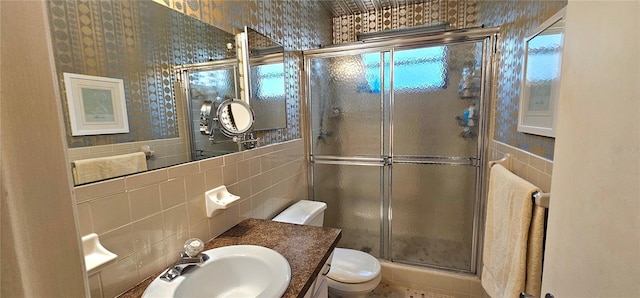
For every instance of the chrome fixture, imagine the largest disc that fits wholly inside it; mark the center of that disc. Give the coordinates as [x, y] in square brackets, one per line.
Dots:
[191, 257]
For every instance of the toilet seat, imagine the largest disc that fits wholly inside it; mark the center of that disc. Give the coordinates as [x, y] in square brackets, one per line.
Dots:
[352, 266]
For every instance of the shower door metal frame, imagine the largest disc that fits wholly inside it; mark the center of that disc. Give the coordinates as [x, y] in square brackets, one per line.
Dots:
[489, 37]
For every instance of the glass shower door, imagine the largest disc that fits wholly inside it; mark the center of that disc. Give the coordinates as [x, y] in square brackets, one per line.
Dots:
[434, 170]
[348, 162]
[395, 148]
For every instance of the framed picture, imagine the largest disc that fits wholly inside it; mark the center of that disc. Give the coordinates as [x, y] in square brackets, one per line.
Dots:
[541, 77]
[96, 105]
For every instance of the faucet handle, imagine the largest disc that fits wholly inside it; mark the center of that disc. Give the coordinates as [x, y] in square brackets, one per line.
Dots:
[193, 247]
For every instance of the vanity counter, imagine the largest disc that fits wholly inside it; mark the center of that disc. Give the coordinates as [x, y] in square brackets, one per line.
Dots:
[306, 248]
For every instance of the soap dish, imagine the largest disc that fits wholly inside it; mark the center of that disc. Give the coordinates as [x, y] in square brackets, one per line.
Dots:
[218, 199]
[96, 256]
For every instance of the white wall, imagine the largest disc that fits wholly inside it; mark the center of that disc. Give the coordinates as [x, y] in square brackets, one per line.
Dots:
[593, 244]
[40, 248]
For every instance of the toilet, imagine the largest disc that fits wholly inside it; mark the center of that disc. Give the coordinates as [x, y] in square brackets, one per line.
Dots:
[353, 273]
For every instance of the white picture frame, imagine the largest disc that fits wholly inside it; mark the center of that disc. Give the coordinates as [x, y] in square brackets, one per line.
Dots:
[541, 77]
[96, 105]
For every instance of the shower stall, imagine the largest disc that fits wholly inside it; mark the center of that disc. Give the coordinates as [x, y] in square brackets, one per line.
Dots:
[397, 141]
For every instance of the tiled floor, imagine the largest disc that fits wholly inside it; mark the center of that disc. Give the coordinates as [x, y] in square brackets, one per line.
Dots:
[385, 290]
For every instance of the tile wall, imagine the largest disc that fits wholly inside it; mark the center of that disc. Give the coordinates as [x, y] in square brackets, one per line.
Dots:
[146, 218]
[528, 166]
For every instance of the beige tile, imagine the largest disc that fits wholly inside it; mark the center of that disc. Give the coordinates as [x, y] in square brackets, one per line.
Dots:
[147, 232]
[211, 163]
[213, 178]
[172, 193]
[233, 158]
[119, 277]
[197, 210]
[232, 216]
[230, 174]
[265, 162]
[476, 288]
[244, 170]
[174, 244]
[545, 182]
[258, 202]
[175, 219]
[200, 230]
[537, 162]
[110, 213]
[151, 260]
[95, 287]
[195, 186]
[217, 224]
[145, 201]
[245, 208]
[183, 170]
[549, 167]
[254, 166]
[146, 178]
[461, 285]
[99, 189]
[84, 218]
[119, 241]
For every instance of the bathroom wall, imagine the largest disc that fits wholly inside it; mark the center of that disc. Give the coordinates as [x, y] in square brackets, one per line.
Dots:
[297, 25]
[40, 249]
[460, 14]
[516, 19]
[146, 218]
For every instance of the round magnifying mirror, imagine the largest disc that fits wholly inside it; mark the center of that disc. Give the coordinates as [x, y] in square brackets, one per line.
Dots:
[235, 117]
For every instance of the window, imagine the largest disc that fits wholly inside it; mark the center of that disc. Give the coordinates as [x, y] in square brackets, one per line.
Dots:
[422, 69]
[268, 81]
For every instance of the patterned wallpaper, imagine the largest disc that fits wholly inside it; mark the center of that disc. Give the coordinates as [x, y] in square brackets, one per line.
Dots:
[516, 19]
[138, 42]
[297, 25]
[460, 14]
[108, 38]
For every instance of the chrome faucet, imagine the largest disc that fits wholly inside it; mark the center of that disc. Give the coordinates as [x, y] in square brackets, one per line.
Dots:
[190, 258]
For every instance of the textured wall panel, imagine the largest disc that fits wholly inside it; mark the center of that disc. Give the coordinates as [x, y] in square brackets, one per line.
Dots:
[516, 19]
[460, 14]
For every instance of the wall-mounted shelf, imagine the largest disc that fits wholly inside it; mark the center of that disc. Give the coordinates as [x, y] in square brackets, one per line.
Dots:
[96, 256]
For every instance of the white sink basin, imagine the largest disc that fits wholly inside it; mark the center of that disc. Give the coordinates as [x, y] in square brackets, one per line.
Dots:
[231, 271]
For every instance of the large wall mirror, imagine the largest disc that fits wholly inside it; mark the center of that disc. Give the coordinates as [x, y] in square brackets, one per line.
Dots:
[140, 43]
[541, 77]
[266, 81]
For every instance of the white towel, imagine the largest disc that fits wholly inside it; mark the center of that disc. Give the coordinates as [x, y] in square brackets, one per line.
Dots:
[506, 237]
[93, 169]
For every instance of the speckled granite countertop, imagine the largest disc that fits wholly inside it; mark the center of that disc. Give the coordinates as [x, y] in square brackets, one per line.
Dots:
[305, 247]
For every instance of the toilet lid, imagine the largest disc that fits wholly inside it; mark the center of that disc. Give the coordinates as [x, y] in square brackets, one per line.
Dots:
[353, 266]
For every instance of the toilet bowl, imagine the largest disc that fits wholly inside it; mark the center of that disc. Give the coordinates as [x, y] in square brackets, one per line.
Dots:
[353, 273]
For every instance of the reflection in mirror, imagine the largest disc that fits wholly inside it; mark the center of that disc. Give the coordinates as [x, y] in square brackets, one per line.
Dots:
[541, 77]
[267, 91]
[204, 87]
[139, 42]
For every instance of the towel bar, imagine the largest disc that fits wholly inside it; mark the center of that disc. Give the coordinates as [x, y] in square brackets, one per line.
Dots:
[539, 198]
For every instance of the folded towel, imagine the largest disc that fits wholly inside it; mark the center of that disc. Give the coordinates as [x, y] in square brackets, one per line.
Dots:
[509, 214]
[93, 169]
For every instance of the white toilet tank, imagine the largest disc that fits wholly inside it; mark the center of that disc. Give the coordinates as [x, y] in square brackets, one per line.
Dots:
[303, 212]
